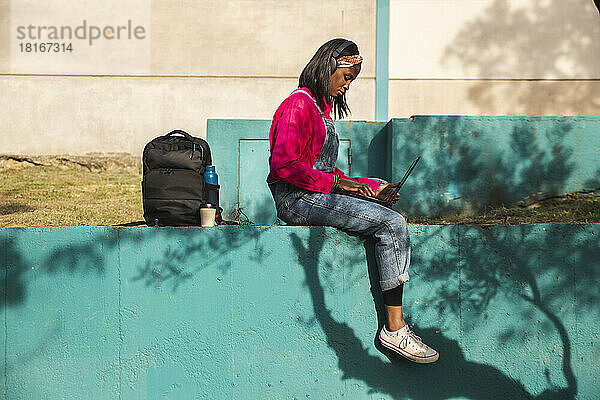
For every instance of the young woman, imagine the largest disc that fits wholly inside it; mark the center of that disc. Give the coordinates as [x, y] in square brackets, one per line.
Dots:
[309, 190]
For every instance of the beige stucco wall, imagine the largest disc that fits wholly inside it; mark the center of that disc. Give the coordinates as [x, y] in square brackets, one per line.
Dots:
[100, 56]
[42, 114]
[202, 59]
[4, 35]
[239, 59]
[494, 57]
[255, 37]
[493, 97]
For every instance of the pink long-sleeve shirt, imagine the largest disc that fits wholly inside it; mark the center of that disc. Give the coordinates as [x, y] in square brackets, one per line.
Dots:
[296, 137]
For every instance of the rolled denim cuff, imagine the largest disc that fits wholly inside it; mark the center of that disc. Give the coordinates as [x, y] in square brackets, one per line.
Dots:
[395, 282]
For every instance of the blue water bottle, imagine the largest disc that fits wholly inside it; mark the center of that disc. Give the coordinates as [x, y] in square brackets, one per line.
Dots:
[211, 177]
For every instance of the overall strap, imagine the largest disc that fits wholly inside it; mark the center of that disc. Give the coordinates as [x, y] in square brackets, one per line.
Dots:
[314, 101]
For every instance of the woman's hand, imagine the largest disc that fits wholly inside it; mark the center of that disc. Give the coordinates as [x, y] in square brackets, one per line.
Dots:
[385, 191]
[362, 188]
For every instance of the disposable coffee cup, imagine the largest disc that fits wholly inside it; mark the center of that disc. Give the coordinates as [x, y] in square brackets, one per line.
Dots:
[207, 215]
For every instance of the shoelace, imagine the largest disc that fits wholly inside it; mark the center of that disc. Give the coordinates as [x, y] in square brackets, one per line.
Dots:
[404, 342]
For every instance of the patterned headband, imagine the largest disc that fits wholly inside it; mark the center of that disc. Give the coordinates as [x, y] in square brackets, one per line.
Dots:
[348, 61]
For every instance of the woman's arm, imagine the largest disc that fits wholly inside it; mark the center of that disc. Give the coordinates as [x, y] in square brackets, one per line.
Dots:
[291, 138]
[371, 182]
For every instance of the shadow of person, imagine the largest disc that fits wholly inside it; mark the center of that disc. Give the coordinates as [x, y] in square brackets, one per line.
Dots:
[452, 373]
[452, 376]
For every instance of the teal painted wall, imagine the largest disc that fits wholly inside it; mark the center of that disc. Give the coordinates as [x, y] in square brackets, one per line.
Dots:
[470, 163]
[467, 165]
[287, 312]
[382, 60]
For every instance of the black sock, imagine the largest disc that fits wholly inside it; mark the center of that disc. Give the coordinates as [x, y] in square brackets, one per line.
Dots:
[393, 297]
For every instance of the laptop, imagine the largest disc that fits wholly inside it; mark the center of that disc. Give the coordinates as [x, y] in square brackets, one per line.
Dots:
[394, 193]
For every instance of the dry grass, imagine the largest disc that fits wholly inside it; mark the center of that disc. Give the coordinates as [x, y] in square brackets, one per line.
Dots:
[577, 208]
[106, 190]
[63, 192]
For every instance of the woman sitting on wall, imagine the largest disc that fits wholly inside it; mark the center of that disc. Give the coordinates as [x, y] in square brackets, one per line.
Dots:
[309, 190]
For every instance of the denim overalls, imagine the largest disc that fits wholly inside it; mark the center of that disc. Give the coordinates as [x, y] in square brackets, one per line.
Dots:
[367, 219]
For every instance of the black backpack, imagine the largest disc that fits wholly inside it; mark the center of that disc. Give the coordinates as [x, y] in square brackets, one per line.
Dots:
[173, 187]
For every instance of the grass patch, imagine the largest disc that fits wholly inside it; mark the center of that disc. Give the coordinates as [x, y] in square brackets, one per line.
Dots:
[106, 190]
[67, 195]
[576, 208]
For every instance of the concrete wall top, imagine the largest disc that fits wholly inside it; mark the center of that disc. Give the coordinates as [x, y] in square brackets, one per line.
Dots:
[514, 39]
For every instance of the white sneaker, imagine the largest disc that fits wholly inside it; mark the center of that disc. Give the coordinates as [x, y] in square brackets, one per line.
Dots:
[408, 345]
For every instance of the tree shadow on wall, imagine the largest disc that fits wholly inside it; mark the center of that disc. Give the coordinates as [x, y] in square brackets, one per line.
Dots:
[161, 257]
[563, 43]
[186, 255]
[466, 169]
[22, 269]
[546, 267]
[454, 376]
[176, 258]
[84, 254]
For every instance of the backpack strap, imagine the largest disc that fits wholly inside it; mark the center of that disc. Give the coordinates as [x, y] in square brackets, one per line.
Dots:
[314, 101]
[193, 140]
[182, 133]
